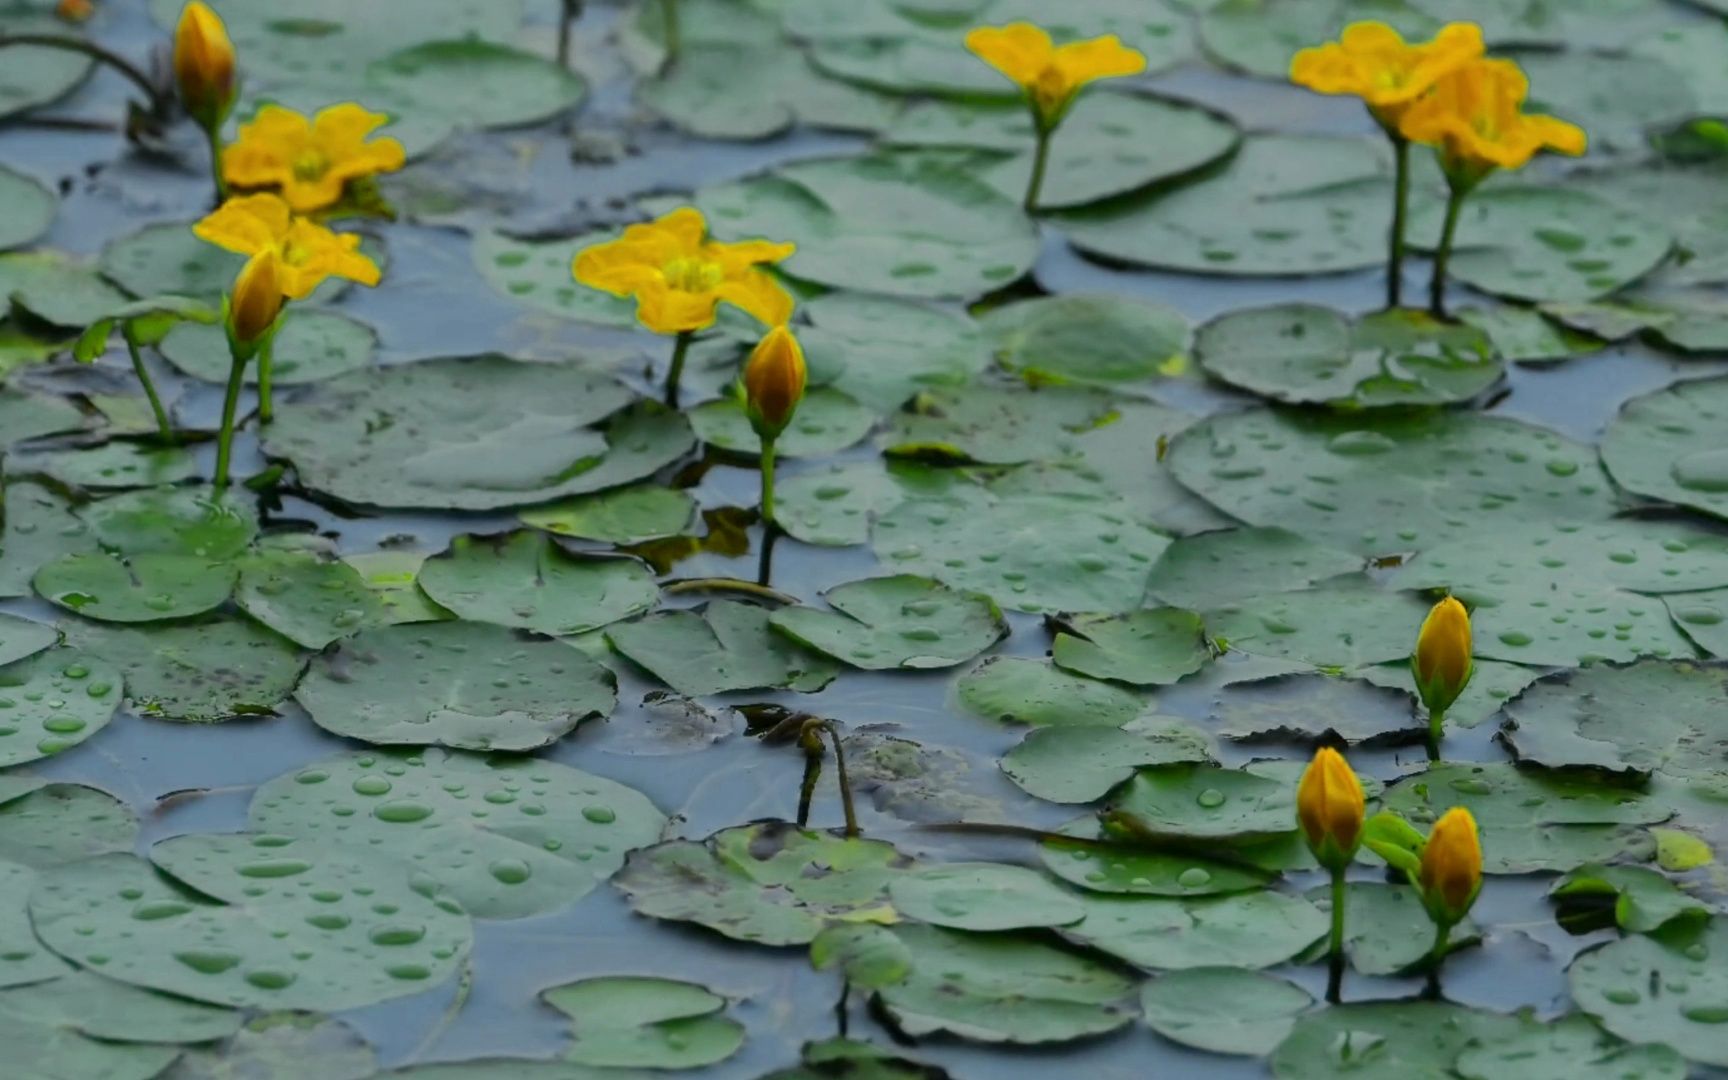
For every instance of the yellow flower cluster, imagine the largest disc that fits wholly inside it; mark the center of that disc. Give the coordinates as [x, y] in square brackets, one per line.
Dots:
[1051, 75]
[1442, 93]
[310, 161]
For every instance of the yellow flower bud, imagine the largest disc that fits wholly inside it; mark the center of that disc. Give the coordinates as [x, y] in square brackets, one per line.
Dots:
[204, 65]
[1330, 808]
[774, 382]
[1441, 662]
[257, 299]
[74, 11]
[1451, 873]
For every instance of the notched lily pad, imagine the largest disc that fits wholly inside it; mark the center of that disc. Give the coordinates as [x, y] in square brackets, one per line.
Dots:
[896, 622]
[198, 672]
[642, 1022]
[1223, 1010]
[1081, 763]
[526, 580]
[1669, 987]
[140, 589]
[53, 701]
[1015, 690]
[1151, 647]
[726, 646]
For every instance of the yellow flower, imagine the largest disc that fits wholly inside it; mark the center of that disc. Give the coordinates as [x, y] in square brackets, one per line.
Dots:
[74, 11]
[204, 64]
[1052, 75]
[1441, 662]
[679, 276]
[310, 161]
[307, 252]
[257, 298]
[1330, 808]
[774, 379]
[1475, 116]
[1451, 872]
[1371, 61]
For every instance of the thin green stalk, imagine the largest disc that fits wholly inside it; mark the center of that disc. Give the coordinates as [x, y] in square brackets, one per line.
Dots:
[1436, 957]
[1436, 732]
[852, 829]
[1443, 254]
[158, 103]
[669, 9]
[164, 428]
[572, 10]
[230, 405]
[266, 353]
[1335, 974]
[807, 789]
[680, 348]
[767, 470]
[213, 135]
[1400, 210]
[1040, 161]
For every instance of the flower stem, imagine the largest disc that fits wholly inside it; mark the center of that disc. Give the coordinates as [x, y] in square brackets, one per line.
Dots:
[768, 451]
[1443, 254]
[213, 134]
[158, 103]
[680, 348]
[1436, 957]
[1335, 974]
[852, 829]
[164, 429]
[230, 404]
[669, 10]
[266, 354]
[1436, 731]
[807, 789]
[1400, 208]
[1040, 161]
[571, 11]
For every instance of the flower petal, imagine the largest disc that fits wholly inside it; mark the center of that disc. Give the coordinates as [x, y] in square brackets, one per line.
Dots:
[1019, 50]
[247, 224]
[760, 295]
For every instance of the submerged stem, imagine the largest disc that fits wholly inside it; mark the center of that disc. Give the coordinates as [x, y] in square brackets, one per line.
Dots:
[571, 10]
[852, 830]
[230, 405]
[807, 790]
[1335, 974]
[164, 428]
[1400, 208]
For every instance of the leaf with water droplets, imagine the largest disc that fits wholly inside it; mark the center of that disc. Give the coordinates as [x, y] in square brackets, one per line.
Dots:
[1386, 1040]
[202, 671]
[1223, 1010]
[636, 1021]
[725, 646]
[896, 622]
[1668, 445]
[527, 580]
[1150, 647]
[1667, 987]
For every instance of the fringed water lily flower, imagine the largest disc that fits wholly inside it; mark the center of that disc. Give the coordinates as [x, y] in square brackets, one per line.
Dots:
[291, 257]
[1050, 76]
[204, 74]
[310, 162]
[1330, 807]
[1370, 60]
[1474, 118]
[679, 278]
[1440, 664]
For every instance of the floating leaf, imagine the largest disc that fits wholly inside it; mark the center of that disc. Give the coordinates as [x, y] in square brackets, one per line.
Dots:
[751, 90]
[1151, 647]
[1079, 764]
[630, 515]
[1223, 1010]
[1091, 340]
[1569, 1048]
[312, 601]
[279, 1046]
[1386, 1040]
[1014, 690]
[1646, 716]
[467, 685]
[1249, 929]
[1343, 623]
[197, 672]
[996, 425]
[310, 346]
[827, 421]
[726, 646]
[983, 896]
[896, 622]
[642, 1022]
[189, 521]
[36, 75]
[143, 588]
[886, 350]
[1668, 987]
[524, 579]
[476, 83]
[1637, 899]
[53, 701]
[1318, 708]
[1667, 445]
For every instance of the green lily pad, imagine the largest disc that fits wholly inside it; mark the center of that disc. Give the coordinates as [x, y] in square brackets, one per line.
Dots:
[524, 579]
[1702, 617]
[195, 522]
[899, 224]
[393, 577]
[1546, 244]
[26, 416]
[1038, 553]
[752, 90]
[197, 672]
[26, 960]
[1570, 1048]
[886, 350]
[1533, 819]
[726, 646]
[538, 273]
[835, 507]
[1108, 144]
[1648, 716]
[1213, 568]
[279, 1046]
[983, 896]
[630, 515]
[1082, 763]
[1318, 708]
[1282, 205]
[118, 464]
[1004, 988]
[507, 836]
[996, 425]
[473, 686]
[1667, 445]
[1647, 93]
[1492, 684]
[1259, 37]
[88, 1004]
[1668, 987]
[869, 955]
[481, 433]
[254, 921]
[1341, 624]
[1199, 800]
[312, 601]
[29, 207]
[1522, 336]
[40, 527]
[476, 83]
[1090, 340]
[44, 825]
[642, 1022]
[1638, 900]
[45, 1049]
[1386, 1040]
[142, 588]
[1248, 929]
[826, 422]
[20, 637]
[1223, 1010]
[768, 883]
[1151, 647]
[311, 346]
[36, 75]
[896, 622]
[1387, 931]
[1304, 354]
[53, 701]
[56, 289]
[1412, 481]
[1013, 690]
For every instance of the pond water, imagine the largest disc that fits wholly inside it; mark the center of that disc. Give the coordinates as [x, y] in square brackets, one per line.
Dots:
[613, 160]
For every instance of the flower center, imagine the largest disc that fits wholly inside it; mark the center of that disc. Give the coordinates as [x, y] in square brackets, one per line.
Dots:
[693, 275]
[293, 254]
[310, 165]
[1051, 89]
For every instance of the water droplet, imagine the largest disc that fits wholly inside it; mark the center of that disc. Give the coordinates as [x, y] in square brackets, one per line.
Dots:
[402, 812]
[1211, 798]
[511, 871]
